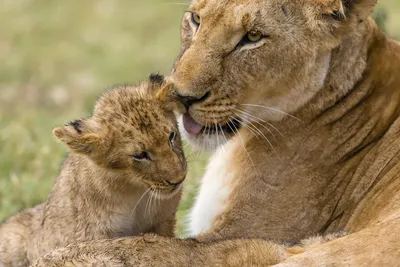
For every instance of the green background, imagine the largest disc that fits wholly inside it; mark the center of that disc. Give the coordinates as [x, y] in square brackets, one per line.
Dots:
[57, 56]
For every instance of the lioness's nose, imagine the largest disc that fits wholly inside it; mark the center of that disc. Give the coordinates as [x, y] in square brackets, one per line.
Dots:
[187, 101]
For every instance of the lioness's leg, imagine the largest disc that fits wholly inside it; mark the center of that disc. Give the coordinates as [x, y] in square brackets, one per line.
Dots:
[375, 246]
[378, 245]
[152, 250]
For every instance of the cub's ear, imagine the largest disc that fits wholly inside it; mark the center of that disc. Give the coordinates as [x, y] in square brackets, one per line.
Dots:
[167, 95]
[78, 136]
[157, 79]
[342, 9]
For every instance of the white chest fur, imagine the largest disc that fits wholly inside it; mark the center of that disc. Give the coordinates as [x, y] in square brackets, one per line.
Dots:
[216, 186]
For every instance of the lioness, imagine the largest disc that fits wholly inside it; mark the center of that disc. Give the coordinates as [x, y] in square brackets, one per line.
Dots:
[307, 94]
[123, 177]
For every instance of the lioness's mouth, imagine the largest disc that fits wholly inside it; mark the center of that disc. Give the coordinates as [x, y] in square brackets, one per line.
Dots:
[193, 127]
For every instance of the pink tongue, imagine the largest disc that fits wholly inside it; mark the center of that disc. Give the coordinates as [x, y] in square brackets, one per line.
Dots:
[191, 126]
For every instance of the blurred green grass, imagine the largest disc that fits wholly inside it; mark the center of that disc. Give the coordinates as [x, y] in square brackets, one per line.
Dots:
[57, 56]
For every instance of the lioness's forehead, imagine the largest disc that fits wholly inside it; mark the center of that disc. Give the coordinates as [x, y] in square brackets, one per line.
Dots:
[245, 5]
[241, 13]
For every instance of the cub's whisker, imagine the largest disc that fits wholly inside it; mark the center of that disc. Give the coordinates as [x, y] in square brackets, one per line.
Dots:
[140, 199]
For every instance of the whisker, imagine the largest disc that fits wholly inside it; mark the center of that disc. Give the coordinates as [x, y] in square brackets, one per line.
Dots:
[222, 131]
[256, 135]
[262, 134]
[240, 136]
[140, 199]
[216, 130]
[257, 118]
[150, 207]
[273, 109]
[157, 201]
[208, 137]
[146, 210]
[250, 120]
[250, 126]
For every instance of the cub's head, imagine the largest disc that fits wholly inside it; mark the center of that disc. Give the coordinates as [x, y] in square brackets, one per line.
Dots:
[242, 59]
[134, 134]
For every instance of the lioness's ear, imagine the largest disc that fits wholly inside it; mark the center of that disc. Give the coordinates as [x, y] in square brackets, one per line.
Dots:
[342, 9]
[78, 136]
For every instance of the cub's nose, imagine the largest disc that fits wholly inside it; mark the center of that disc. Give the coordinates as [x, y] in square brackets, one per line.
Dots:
[187, 101]
[176, 182]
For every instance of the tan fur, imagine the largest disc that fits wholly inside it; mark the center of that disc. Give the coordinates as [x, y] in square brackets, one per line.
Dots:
[102, 192]
[335, 168]
[136, 252]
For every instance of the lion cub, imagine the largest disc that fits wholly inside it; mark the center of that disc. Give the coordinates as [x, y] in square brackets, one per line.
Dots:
[123, 177]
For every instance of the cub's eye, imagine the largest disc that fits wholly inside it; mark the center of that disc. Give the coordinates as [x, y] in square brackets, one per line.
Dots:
[252, 37]
[196, 19]
[141, 156]
[172, 136]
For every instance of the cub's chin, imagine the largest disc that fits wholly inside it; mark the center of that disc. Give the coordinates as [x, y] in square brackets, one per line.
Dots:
[203, 138]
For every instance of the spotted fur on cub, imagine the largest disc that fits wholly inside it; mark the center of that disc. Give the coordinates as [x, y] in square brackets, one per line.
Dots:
[122, 177]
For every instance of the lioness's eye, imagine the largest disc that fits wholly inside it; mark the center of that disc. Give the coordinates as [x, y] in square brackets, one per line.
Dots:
[196, 19]
[141, 156]
[252, 37]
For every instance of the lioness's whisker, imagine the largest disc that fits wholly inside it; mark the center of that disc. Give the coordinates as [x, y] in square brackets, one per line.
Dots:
[224, 137]
[258, 130]
[250, 127]
[256, 135]
[241, 139]
[249, 119]
[216, 130]
[208, 135]
[257, 118]
[272, 109]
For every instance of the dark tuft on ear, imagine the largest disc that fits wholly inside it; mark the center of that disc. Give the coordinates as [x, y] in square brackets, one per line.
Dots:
[156, 78]
[77, 125]
[349, 3]
[336, 15]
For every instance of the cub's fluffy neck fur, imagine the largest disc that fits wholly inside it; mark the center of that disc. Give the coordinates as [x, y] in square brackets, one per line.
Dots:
[98, 183]
[97, 197]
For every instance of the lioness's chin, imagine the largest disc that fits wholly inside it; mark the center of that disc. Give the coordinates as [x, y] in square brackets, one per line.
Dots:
[205, 140]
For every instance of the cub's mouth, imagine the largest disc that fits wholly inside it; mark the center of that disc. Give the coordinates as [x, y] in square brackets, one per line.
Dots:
[163, 192]
[192, 127]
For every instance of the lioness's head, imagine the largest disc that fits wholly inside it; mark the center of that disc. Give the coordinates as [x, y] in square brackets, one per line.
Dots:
[242, 59]
[133, 133]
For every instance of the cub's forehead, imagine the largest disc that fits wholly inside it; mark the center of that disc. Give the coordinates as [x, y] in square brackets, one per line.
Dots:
[132, 114]
[133, 110]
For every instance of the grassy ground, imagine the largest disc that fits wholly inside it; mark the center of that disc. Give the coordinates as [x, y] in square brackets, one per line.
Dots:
[56, 57]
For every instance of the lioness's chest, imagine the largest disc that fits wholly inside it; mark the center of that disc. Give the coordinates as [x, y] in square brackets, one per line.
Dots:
[216, 187]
